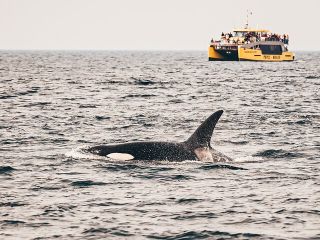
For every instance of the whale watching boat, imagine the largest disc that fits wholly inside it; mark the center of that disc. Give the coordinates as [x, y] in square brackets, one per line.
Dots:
[249, 44]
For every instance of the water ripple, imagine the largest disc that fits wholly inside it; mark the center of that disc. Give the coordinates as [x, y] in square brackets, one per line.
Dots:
[6, 169]
[206, 235]
[53, 103]
[87, 183]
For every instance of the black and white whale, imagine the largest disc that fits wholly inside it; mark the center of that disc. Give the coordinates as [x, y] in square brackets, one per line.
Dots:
[197, 147]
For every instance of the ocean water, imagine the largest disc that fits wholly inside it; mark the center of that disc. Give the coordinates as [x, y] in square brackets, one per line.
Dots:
[55, 104]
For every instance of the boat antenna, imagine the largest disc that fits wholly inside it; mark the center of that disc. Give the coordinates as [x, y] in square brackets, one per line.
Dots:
[247, 22]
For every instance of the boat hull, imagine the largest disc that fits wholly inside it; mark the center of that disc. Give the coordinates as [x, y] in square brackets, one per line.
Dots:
[243, 54]
[222, 55]
[257, 55]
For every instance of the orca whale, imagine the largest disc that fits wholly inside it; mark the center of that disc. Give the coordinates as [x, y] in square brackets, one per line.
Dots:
[197, 147]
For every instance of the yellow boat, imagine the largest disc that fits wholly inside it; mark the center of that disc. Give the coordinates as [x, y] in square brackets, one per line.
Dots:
[248, 44]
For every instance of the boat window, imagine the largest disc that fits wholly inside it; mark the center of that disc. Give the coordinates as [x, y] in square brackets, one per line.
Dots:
[271, 49]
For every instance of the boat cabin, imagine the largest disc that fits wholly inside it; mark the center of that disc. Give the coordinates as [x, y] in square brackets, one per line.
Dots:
[267, 47]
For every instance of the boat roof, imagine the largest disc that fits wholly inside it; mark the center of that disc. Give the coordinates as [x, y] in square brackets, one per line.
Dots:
[250, 30]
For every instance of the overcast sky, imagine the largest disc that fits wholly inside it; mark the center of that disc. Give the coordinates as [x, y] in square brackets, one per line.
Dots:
[149, 24]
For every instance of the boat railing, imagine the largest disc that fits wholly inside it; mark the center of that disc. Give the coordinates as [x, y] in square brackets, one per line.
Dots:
[236, 42]
[251, 37]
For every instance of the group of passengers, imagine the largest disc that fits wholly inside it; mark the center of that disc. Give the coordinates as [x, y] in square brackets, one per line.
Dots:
[250, 37]
[275, 37]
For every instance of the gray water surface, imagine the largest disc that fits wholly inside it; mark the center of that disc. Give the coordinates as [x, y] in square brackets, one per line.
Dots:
[54, 104]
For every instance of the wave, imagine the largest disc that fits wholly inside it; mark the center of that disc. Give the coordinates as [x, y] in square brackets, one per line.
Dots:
[144, 82]
[312, 77]
[139, 96]
[188, 200]
[109, 231]
[87, 183]
[12, 222]
[204, 235]
[188, 215]
[278, 153]
[102, 117]
[247, 159]
[6, 169]
[221, 166]
[12, 204]
[80, 153]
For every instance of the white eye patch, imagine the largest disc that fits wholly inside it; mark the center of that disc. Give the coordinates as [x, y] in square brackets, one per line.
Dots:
[120, 156]
[203, 154]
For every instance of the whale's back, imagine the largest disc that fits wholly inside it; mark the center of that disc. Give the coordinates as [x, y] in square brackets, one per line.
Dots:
[147, 150]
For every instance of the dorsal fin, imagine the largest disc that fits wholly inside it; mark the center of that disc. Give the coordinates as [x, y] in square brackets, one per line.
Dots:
[202, 136]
